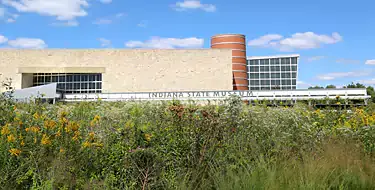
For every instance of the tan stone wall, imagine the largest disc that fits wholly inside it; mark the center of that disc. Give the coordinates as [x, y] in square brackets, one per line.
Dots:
[128, 70]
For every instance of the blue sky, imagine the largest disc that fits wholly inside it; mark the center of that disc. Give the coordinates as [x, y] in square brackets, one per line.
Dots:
[336, 39]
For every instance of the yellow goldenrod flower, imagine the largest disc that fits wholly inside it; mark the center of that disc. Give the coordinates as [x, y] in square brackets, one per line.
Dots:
[22, 143]
[62, 150]
[36, 116]
[74, 126]
[91, 135]
[86, 144]
[34, 129]
[148, 137]
[5, 130]
[45, 140]
[76, 136]
[63, 114]
[15, 152]
[58, 134]
[11, 138]
[97, 144]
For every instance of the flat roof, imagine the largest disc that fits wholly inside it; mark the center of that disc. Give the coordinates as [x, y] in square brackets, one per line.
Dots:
[272, 56]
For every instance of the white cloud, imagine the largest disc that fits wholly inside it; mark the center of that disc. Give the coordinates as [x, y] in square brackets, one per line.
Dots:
[167, 43]
[64, 10]
[370, 62]
[27, 43]
[332, 76]
[367, 82]
[105, 42]
[10, 20]
[194, 4]
[315, 58]
[106, 1]
[142, 24]
[119, 15]
[102, 21]
[67, 23]
[265, 40]
[3, 39]
[303, 85]
[348, 61]
[2, 12]
[298, 41]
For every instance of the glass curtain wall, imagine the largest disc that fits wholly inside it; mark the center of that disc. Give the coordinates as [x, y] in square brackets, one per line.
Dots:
[71, 83]
[273, 73]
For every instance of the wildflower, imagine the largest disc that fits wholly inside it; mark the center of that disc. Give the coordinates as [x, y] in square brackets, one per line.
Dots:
[5, 130]
[15, 152]
[95, 120]
[148, 137]
[86, 144]
[22, 143]
[97, 144]
[91, 135]
[74, 126]
[61, 150]
[27, 129]
[36, 116]
[45, 140]
[11, 138]
[76, 136]
[49, 124]
[35, 129]
[58, 134]
[20, 123]
[14, 107]
[34, 140]
[63, 114]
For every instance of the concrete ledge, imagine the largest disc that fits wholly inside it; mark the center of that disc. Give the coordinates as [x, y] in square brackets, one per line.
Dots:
[61, 70]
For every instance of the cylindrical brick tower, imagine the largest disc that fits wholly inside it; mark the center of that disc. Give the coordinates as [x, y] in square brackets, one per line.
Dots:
[237, 43]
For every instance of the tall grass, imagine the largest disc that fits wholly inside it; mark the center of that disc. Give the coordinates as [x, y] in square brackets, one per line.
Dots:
[168, 145]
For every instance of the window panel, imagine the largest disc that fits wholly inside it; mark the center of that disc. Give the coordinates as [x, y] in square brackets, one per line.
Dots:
[275, 68]
[294, 68]
[286, 82]
[275, 82]
[254, 82]
[71, 82]
[254, 75]
[264, 75]
[264, 68]
[265, 82]
[294, 60]
[254, 68]
[275, 61]
[294, 75]
[285, 75]
[275, 75]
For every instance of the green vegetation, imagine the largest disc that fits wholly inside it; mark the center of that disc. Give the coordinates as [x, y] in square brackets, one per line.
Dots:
[168, 145]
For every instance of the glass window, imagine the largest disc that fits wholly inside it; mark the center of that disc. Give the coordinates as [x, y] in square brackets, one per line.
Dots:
[264, 68]
[294, 75]
[285, 61]
[285, 68]
[265, 88]
[275, 68]
[71, 82]
[265, 82]
[264, 62]
[275, 62]
[286, 82]
[294, 60]
[275, 82]
[264, 75]
[254, 88]
[294, 68]
[254, 62]
[285, 75]
[254, 68]
[254, 82]
[275, 75]
[294, 82]
[254, 75]
[286, 87]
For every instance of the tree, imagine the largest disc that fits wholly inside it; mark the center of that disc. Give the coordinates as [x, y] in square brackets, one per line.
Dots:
[352, 85]
[371, 92]
[315, 87]
[330, 86]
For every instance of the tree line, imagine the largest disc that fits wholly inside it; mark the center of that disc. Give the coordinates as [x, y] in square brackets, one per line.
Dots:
[370, 89]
